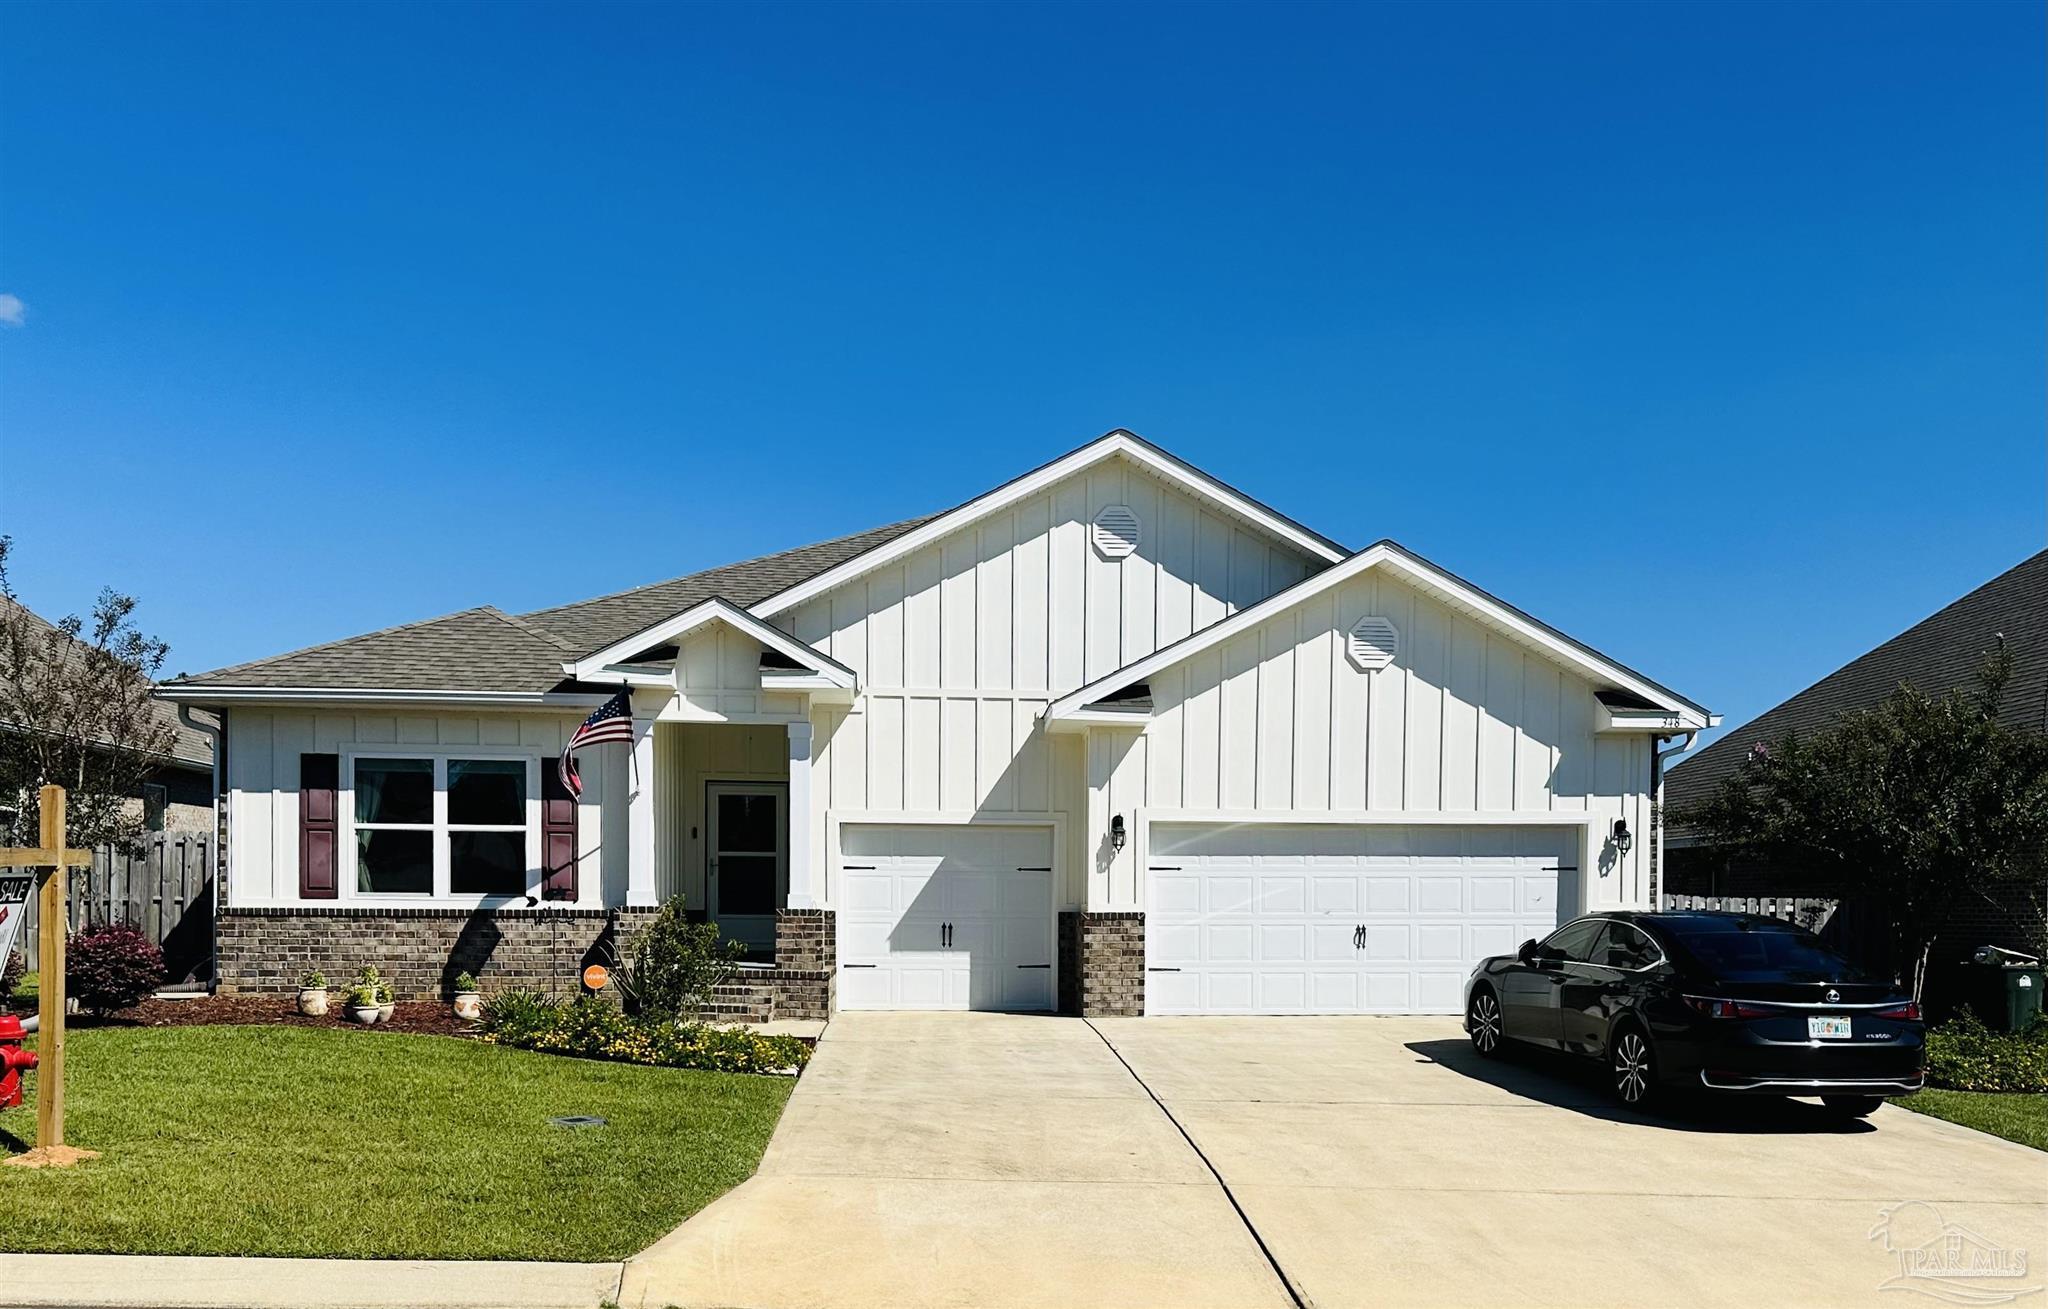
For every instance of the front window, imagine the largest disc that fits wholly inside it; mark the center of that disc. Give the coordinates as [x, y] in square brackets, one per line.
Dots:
[442, 826]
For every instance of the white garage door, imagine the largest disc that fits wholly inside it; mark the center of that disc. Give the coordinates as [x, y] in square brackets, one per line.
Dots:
[945, 917]
[1258, 919]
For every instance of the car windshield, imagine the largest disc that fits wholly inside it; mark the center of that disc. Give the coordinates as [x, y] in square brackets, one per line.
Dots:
[1764, 954]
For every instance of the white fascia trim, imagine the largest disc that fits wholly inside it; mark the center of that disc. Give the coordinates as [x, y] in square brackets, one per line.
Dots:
[1421, 573]
[597, 667]
[1119, 442]
[223, 695]
[1081, 719]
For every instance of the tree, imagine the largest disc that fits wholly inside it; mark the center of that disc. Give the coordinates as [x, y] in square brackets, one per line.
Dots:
[1923, 803]
[75, 711]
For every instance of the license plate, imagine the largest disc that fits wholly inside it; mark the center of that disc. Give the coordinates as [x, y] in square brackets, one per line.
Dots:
[1827, 1029]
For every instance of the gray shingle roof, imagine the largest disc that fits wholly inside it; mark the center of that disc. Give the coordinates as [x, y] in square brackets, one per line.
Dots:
[486, 649]
[1936, 655]
[187, 746]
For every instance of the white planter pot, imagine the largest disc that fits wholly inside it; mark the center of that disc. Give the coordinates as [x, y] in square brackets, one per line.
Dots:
[366, 1014]
[384, 1012]
[313, 1002]
[469, 1005]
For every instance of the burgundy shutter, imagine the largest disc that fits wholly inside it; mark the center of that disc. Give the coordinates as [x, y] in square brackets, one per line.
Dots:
[319, 784]
[557, 835]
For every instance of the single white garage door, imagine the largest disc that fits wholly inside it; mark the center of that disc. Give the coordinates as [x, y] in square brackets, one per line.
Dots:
[1314, 919]
[945, 917]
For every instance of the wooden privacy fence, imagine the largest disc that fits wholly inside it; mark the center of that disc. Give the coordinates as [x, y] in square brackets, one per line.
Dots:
[1811, 914]
[163, 885]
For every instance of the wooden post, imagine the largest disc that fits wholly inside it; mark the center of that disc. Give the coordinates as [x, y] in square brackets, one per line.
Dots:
[50, 996]
[50, 1149]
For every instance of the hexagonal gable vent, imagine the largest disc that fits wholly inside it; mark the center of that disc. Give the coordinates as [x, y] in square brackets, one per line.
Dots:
[1373, 642]
[1116, 531]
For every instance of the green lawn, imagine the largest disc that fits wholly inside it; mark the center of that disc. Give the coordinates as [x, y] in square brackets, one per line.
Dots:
[288, 1141]
[2016, 1116]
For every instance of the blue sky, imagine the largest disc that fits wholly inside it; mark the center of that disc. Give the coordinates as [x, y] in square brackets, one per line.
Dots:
[1711, 334]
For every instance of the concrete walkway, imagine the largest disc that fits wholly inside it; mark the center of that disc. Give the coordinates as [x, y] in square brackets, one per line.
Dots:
[65, 1281]
[989, 1160]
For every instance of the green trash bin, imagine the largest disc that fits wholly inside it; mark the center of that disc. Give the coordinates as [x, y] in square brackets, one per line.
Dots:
[2005, 989]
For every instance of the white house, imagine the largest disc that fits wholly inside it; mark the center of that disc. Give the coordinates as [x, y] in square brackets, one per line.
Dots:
[1111, 737]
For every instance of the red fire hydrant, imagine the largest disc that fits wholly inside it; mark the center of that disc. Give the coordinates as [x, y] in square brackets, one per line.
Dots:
[12, 1060]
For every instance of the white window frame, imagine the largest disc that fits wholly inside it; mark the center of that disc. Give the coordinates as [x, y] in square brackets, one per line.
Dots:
[440, 895]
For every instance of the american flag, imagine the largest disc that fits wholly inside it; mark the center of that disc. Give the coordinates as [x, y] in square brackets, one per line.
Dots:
[613, 721]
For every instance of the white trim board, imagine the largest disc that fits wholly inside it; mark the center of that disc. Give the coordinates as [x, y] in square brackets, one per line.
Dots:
[1419, 572]
[596, 667]
[1119, 442]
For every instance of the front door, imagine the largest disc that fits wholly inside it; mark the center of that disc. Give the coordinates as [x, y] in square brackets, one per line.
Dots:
[747, 850]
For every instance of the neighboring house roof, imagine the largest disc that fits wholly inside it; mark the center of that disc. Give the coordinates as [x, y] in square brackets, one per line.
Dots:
[1417, 571]
[1940, 654]
[188, 748]
[487, 650]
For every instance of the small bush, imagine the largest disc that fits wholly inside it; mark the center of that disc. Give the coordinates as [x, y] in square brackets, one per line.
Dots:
[516, 1017]
[465, 982]
[592, 1028]
[12, 969]
[312, 980]
[112, 967]
[1964, 1055]
[672, 965]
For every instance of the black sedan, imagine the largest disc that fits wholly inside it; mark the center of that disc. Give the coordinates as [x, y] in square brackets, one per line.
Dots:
[1729, 1003]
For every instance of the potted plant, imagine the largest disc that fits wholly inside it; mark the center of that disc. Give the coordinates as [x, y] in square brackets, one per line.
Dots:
[313, 993]
[362, 1004]
[368, 978]
[469, 1001]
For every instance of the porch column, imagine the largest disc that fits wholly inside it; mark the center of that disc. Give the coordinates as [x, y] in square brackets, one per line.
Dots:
[640, 800]
[803, 874]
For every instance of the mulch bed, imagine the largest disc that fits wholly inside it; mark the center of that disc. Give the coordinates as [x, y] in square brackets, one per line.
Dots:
[429, 1017]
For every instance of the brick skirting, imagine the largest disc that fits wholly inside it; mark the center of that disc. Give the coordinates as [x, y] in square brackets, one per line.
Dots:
[1102, 964]
[419, 951]
[806, 973]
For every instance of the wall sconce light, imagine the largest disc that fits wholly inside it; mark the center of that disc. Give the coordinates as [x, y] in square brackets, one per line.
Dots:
[1116, 832]
[1624, 840]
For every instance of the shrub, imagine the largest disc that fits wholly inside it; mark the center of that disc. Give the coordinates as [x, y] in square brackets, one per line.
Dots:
[672, 965]
[368, 977]
[1964, 1055]
[591, 1028]
[465, 982]
[516, 1017]
[312, 980]
[12, 969]
[112, 967]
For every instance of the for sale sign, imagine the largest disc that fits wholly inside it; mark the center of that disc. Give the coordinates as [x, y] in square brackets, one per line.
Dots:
[15, 889]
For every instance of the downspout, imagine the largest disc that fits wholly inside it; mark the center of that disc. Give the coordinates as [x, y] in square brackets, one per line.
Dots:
[1657, 758]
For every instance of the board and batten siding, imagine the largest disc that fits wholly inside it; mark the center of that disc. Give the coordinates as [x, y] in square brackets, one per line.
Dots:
[718, 676]
[961, 645]
[1279, 720]
[688, 757]
[262, 782]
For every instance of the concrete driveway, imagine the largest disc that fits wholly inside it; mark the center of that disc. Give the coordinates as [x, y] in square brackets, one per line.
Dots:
[1385, 1164]
[965, 1160]
[1004, 1160]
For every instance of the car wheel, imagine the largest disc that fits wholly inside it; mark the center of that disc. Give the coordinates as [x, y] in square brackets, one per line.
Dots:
[1634, 1067]
[1482, 1021]
[1852, 1106]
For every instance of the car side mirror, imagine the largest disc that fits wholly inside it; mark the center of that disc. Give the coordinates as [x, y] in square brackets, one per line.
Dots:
[1527, 950]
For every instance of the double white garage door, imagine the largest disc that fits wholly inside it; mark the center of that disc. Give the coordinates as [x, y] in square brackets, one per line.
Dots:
[1257, 919]
[1239, 919]
[945, 917]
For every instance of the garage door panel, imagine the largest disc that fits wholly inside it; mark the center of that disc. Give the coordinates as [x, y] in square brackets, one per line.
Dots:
[1336, 895]
[1430, 899]
[1388, 895]
[1281, 893]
